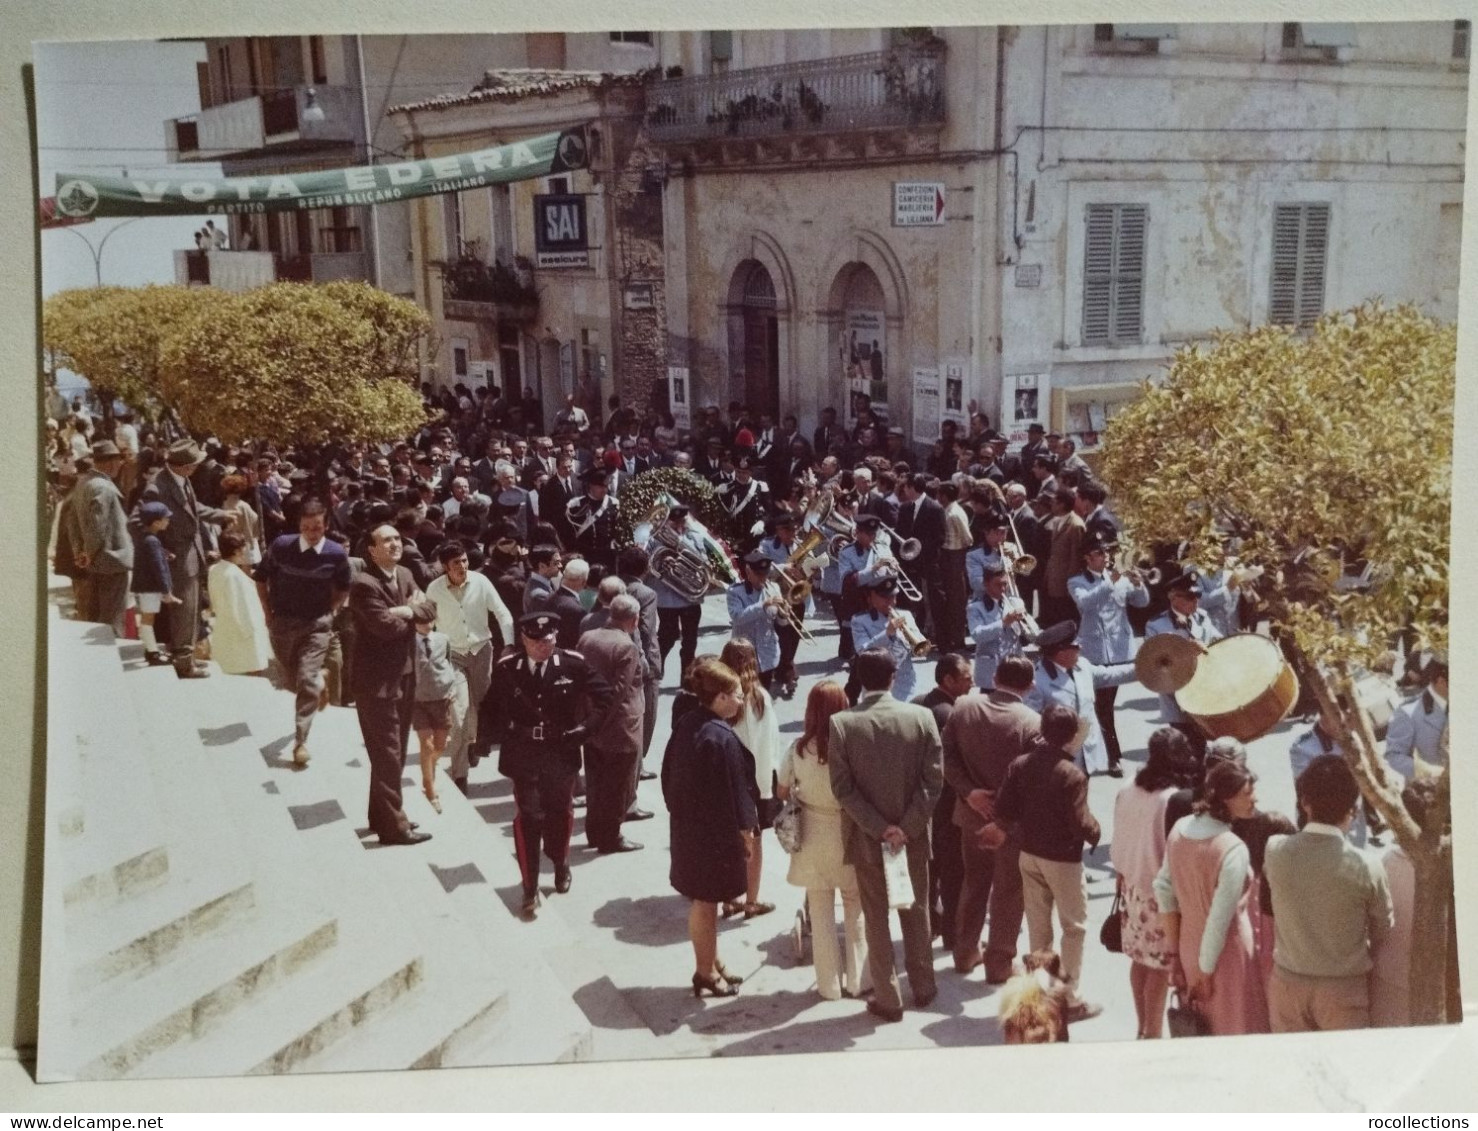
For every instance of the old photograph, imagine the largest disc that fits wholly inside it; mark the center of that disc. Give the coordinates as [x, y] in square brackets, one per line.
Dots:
[614, 545]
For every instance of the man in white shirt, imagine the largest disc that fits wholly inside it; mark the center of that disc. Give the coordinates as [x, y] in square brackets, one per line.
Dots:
[462, 494]
[467, 606]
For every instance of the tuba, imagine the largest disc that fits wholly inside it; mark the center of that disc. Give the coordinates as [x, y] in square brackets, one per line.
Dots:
[679, 565]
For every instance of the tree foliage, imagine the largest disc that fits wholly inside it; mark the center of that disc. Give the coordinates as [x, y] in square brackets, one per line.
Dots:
[288, 362]
[114, 336]
[1325, 458]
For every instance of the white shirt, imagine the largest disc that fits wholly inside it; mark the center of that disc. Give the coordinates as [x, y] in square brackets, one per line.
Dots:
[304, 545]
[462, 613]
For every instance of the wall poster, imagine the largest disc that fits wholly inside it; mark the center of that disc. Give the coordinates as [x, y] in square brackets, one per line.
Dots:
[1024, 402]
[862, 356]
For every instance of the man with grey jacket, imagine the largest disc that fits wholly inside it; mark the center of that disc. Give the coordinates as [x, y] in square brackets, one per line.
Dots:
[885, 772]
[106, 546]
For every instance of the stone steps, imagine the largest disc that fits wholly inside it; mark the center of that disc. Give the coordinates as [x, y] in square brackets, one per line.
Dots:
[118, 1027]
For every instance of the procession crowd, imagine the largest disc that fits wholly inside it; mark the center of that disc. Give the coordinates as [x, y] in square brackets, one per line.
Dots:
[471, 583]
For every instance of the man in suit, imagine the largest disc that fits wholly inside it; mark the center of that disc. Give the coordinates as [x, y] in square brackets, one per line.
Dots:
[885, 773]
[545, 566]
[183, 541]
[953, 680]
[547, 701]
[555, 497]
[829, 435]
[105, 548]
[564, 602]
[613, 751]
[1035, 446]
[386, 607]
[984, 736]
[1097, 522]
[921, 517]
[632, 464]
[632, 564]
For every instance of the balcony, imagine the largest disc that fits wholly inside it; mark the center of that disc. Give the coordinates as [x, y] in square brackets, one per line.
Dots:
[286, 121]
[876, 94]
[243, 270]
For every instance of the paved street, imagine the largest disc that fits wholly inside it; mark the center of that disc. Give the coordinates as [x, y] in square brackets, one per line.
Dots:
[631, 924]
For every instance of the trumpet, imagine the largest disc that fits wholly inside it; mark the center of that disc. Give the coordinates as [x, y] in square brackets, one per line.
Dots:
[916, 642]
[1144, 568]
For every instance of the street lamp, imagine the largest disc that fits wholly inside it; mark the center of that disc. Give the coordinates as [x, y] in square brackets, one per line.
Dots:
[97, 251]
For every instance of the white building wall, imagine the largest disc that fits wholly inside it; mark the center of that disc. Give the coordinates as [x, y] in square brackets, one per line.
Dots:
[1211, 135]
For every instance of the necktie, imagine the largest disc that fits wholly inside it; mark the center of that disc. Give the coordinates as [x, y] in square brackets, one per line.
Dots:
[426, 646]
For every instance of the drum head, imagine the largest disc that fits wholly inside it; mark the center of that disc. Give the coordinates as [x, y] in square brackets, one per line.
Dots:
[1167, 662]
[1236, 671]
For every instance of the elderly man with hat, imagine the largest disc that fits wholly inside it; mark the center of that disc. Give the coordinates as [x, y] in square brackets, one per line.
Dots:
[890, 629]
[1065, 677]
[754, 613]
[1184, 617]
[1103, 596]
[386, 607]
[105, 549]
[547, 701]
[185, 541]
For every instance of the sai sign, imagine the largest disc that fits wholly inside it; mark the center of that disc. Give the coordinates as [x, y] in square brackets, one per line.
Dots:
[918, 204]
[561, 238]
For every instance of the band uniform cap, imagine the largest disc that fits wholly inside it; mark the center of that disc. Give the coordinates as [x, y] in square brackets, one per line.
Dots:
[757, 560]
[884, 586]
[1188, 582]
[1097, 542]
[538, 626]
[991, 571]
[105, 449]
[1062, 635]
[783, 520]
[153, 511]
[869, 522]
[184, 453]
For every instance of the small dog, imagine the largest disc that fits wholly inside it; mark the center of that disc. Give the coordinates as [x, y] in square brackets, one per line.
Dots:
[1035, 1001]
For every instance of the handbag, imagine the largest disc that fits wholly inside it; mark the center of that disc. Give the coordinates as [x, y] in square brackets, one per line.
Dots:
[787, 824]
[1111, 934]
[1185, 1020]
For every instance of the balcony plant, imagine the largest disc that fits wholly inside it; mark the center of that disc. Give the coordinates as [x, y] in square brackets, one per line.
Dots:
[471, 278]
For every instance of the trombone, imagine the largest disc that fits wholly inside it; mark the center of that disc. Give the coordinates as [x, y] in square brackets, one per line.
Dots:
[788, 614]
[905, 585]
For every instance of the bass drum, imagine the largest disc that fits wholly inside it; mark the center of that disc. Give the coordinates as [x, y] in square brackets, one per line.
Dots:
[1243, 688]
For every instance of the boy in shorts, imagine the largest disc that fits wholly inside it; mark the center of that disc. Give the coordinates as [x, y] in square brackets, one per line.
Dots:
[152, 585]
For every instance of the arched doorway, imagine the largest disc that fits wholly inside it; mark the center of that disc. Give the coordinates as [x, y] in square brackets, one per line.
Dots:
[860, 349]
[755, 360]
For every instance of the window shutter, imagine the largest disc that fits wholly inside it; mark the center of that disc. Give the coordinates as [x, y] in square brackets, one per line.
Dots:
[1311, 263]
[1300, 250]
[1129, 273]
[1113, 274]
[1098, 259]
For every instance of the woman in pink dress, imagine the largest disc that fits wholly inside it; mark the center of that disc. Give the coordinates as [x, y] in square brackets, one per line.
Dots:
[1137, 852]
[1204, 888]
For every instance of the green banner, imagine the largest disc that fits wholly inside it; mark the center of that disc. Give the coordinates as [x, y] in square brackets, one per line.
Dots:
[87, 197]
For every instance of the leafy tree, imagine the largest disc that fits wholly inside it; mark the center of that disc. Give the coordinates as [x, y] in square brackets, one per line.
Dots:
[299, 364]
[113, 336]
[1329, 456]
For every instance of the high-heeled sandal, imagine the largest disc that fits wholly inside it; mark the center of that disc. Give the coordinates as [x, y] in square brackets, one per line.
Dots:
[757, 908]
[723, 972]
[714, 986]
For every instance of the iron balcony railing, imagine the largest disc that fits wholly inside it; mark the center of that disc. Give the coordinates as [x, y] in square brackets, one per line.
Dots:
[878, 90]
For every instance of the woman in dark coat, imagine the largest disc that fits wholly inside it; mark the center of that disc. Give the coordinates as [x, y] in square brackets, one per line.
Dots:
[706, 781]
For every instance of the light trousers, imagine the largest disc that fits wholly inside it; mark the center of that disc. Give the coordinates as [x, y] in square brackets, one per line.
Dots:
[830, 960]
[1046, 884]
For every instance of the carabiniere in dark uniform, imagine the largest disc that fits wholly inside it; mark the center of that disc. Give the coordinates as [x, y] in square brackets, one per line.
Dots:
[548, 700]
